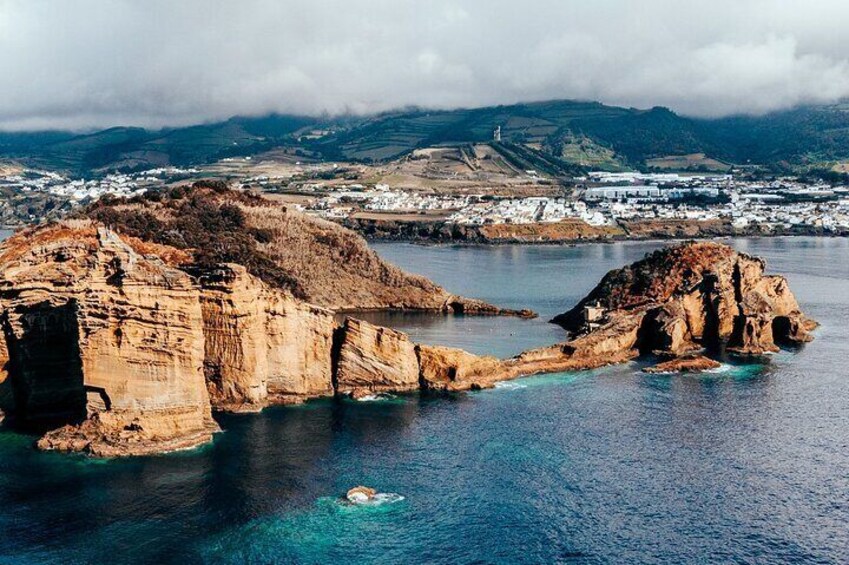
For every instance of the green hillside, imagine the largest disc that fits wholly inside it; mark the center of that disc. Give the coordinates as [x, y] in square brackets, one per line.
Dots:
[136, 148]
[803, 136]
[558, 137]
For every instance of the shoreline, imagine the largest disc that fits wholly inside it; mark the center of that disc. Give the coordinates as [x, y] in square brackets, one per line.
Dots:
[430, 242]
[566, 232]
[246, 341]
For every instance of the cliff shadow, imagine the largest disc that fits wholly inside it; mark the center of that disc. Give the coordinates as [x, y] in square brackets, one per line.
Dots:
[45, 368]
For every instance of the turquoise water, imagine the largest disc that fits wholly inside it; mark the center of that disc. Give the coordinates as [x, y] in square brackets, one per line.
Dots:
[749, 464]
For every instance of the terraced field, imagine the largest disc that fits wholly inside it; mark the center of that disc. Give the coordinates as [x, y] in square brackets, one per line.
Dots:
[559, 137]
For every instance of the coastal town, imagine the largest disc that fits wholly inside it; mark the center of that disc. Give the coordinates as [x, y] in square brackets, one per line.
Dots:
[603, 199]
[597, 199]
[29, 196]
[116, 184]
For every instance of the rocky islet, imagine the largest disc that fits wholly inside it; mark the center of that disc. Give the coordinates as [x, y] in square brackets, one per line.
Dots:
[120, 346]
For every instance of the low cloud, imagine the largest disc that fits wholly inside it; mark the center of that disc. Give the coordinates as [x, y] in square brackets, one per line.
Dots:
[154, 63]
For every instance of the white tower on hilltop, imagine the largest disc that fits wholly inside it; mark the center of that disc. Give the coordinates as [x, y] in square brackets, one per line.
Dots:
[496, 135]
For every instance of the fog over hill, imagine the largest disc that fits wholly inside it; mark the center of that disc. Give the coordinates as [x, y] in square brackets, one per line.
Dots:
[556, 137]
[156, 63]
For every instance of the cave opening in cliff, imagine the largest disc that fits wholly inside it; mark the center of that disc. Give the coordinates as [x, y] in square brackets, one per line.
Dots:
[711, 339]
[782, 330]
[45, 366]
[457, 307]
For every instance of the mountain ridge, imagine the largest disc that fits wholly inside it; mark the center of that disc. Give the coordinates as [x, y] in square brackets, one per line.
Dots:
[557, 133]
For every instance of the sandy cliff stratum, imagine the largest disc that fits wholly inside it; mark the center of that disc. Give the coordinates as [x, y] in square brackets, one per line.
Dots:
[113, 345]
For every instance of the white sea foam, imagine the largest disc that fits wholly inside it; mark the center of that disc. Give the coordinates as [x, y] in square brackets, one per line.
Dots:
[379, 499]
[510, 385]
[376, 397]
[719, 370]
[386, 498]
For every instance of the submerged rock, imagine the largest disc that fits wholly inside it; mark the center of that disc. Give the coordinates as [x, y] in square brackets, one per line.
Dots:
[360, 494]
[695, 364]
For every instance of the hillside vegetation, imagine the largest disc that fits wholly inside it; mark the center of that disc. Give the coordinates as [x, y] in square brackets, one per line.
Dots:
[314, 259]
[558, 137]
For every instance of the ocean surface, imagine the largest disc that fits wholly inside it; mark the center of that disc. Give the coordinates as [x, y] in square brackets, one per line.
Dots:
[748, 464]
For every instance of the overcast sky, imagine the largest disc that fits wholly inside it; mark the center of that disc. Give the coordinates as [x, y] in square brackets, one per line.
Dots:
[86, 63]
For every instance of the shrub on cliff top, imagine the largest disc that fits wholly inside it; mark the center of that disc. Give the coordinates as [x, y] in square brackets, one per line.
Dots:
[199, 220]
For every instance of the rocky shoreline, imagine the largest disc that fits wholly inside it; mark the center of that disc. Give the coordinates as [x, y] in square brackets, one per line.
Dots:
[122, 346]
[567, 232]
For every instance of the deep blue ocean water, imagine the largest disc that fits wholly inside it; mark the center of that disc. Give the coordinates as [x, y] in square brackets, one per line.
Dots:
[749, 464]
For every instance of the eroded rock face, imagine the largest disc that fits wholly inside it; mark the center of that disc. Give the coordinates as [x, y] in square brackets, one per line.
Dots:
[99, 334]
[117, 433]
[697, 295]
[262, 345]
[117, 352]
[450, 369]
[300, 343]
[373, 359]
[236, 345]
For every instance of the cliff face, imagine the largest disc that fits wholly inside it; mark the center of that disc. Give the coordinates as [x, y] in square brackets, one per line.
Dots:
[372, 359]
[694, 296]
[300, 338]
[262, 345]
[116, 352]
[97, 333]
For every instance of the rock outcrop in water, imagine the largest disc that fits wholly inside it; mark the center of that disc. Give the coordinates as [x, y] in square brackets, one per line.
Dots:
[676, 303]
[688, 364]
[690, 297]
[358, 495]
[119, 346]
